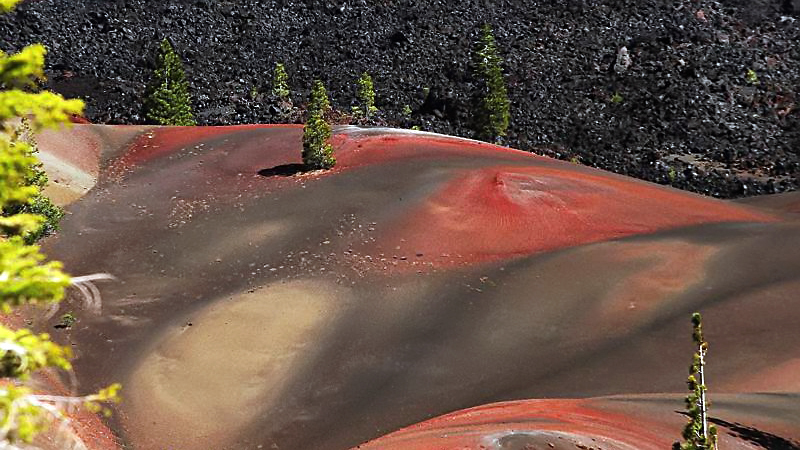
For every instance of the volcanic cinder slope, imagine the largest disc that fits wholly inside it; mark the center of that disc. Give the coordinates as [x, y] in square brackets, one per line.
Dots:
[257, 306]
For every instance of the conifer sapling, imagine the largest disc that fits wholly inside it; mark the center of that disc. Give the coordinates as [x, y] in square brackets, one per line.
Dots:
[317, 152]
[493, 115]
[280, 83]
[697, 434]
[366, 94]
[167, 100]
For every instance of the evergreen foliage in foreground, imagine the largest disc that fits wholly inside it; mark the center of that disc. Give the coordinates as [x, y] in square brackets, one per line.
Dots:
[317, 152]
[493, 106]
[167, 100]
[25, 277]
[697, 434]
[39, 204]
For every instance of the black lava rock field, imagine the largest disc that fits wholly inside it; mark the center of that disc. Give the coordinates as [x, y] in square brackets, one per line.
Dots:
[694, 93]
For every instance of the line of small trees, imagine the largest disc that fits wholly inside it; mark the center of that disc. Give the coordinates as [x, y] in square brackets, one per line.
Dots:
[168, 100]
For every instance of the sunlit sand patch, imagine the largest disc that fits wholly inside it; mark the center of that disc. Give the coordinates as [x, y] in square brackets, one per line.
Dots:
[71, 157]
[202, 383]
[67, 181]
[664, 269]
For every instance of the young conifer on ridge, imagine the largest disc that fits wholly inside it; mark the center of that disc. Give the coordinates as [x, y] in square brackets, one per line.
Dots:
[317, 151]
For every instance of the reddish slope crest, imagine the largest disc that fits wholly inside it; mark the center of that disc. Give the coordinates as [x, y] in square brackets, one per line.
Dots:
[493, 202]
[517, 203]
[612, 423]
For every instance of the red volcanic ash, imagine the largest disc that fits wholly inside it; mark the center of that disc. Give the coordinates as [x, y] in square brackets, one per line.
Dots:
[550, 424]
[503, 211]
[86, 426]
[364, 149]
[162, 141]
[610, 423]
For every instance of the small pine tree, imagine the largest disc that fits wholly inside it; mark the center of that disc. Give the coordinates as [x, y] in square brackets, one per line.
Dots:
[493, 113]
[167, 100]
[280, 83]
[697, 434]
[366, 94]
[317, 152]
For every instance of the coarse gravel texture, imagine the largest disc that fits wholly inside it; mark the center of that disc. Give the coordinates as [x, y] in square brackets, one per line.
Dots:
[682, 109]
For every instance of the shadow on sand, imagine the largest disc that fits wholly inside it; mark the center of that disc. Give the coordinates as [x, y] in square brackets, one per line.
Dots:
[283, 170]
[753, 435]
[756, 436]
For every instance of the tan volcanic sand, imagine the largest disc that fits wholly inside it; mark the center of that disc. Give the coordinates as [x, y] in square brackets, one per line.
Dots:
[186, 394]
[72, 156]
[663, 270]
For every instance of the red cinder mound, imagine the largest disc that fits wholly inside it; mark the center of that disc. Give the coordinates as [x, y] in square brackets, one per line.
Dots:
[163, 141]
[357, 148]
[610, 423]
[502, 211]
[536, 424]
[79, 119]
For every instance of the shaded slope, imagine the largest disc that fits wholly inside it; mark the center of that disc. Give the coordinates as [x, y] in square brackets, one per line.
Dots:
[322, 310]
[786, 203]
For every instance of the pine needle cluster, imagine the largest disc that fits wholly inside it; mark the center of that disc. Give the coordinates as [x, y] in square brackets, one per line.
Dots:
[39, 204]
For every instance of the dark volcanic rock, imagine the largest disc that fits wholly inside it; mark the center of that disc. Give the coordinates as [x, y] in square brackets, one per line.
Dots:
[684, 112]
